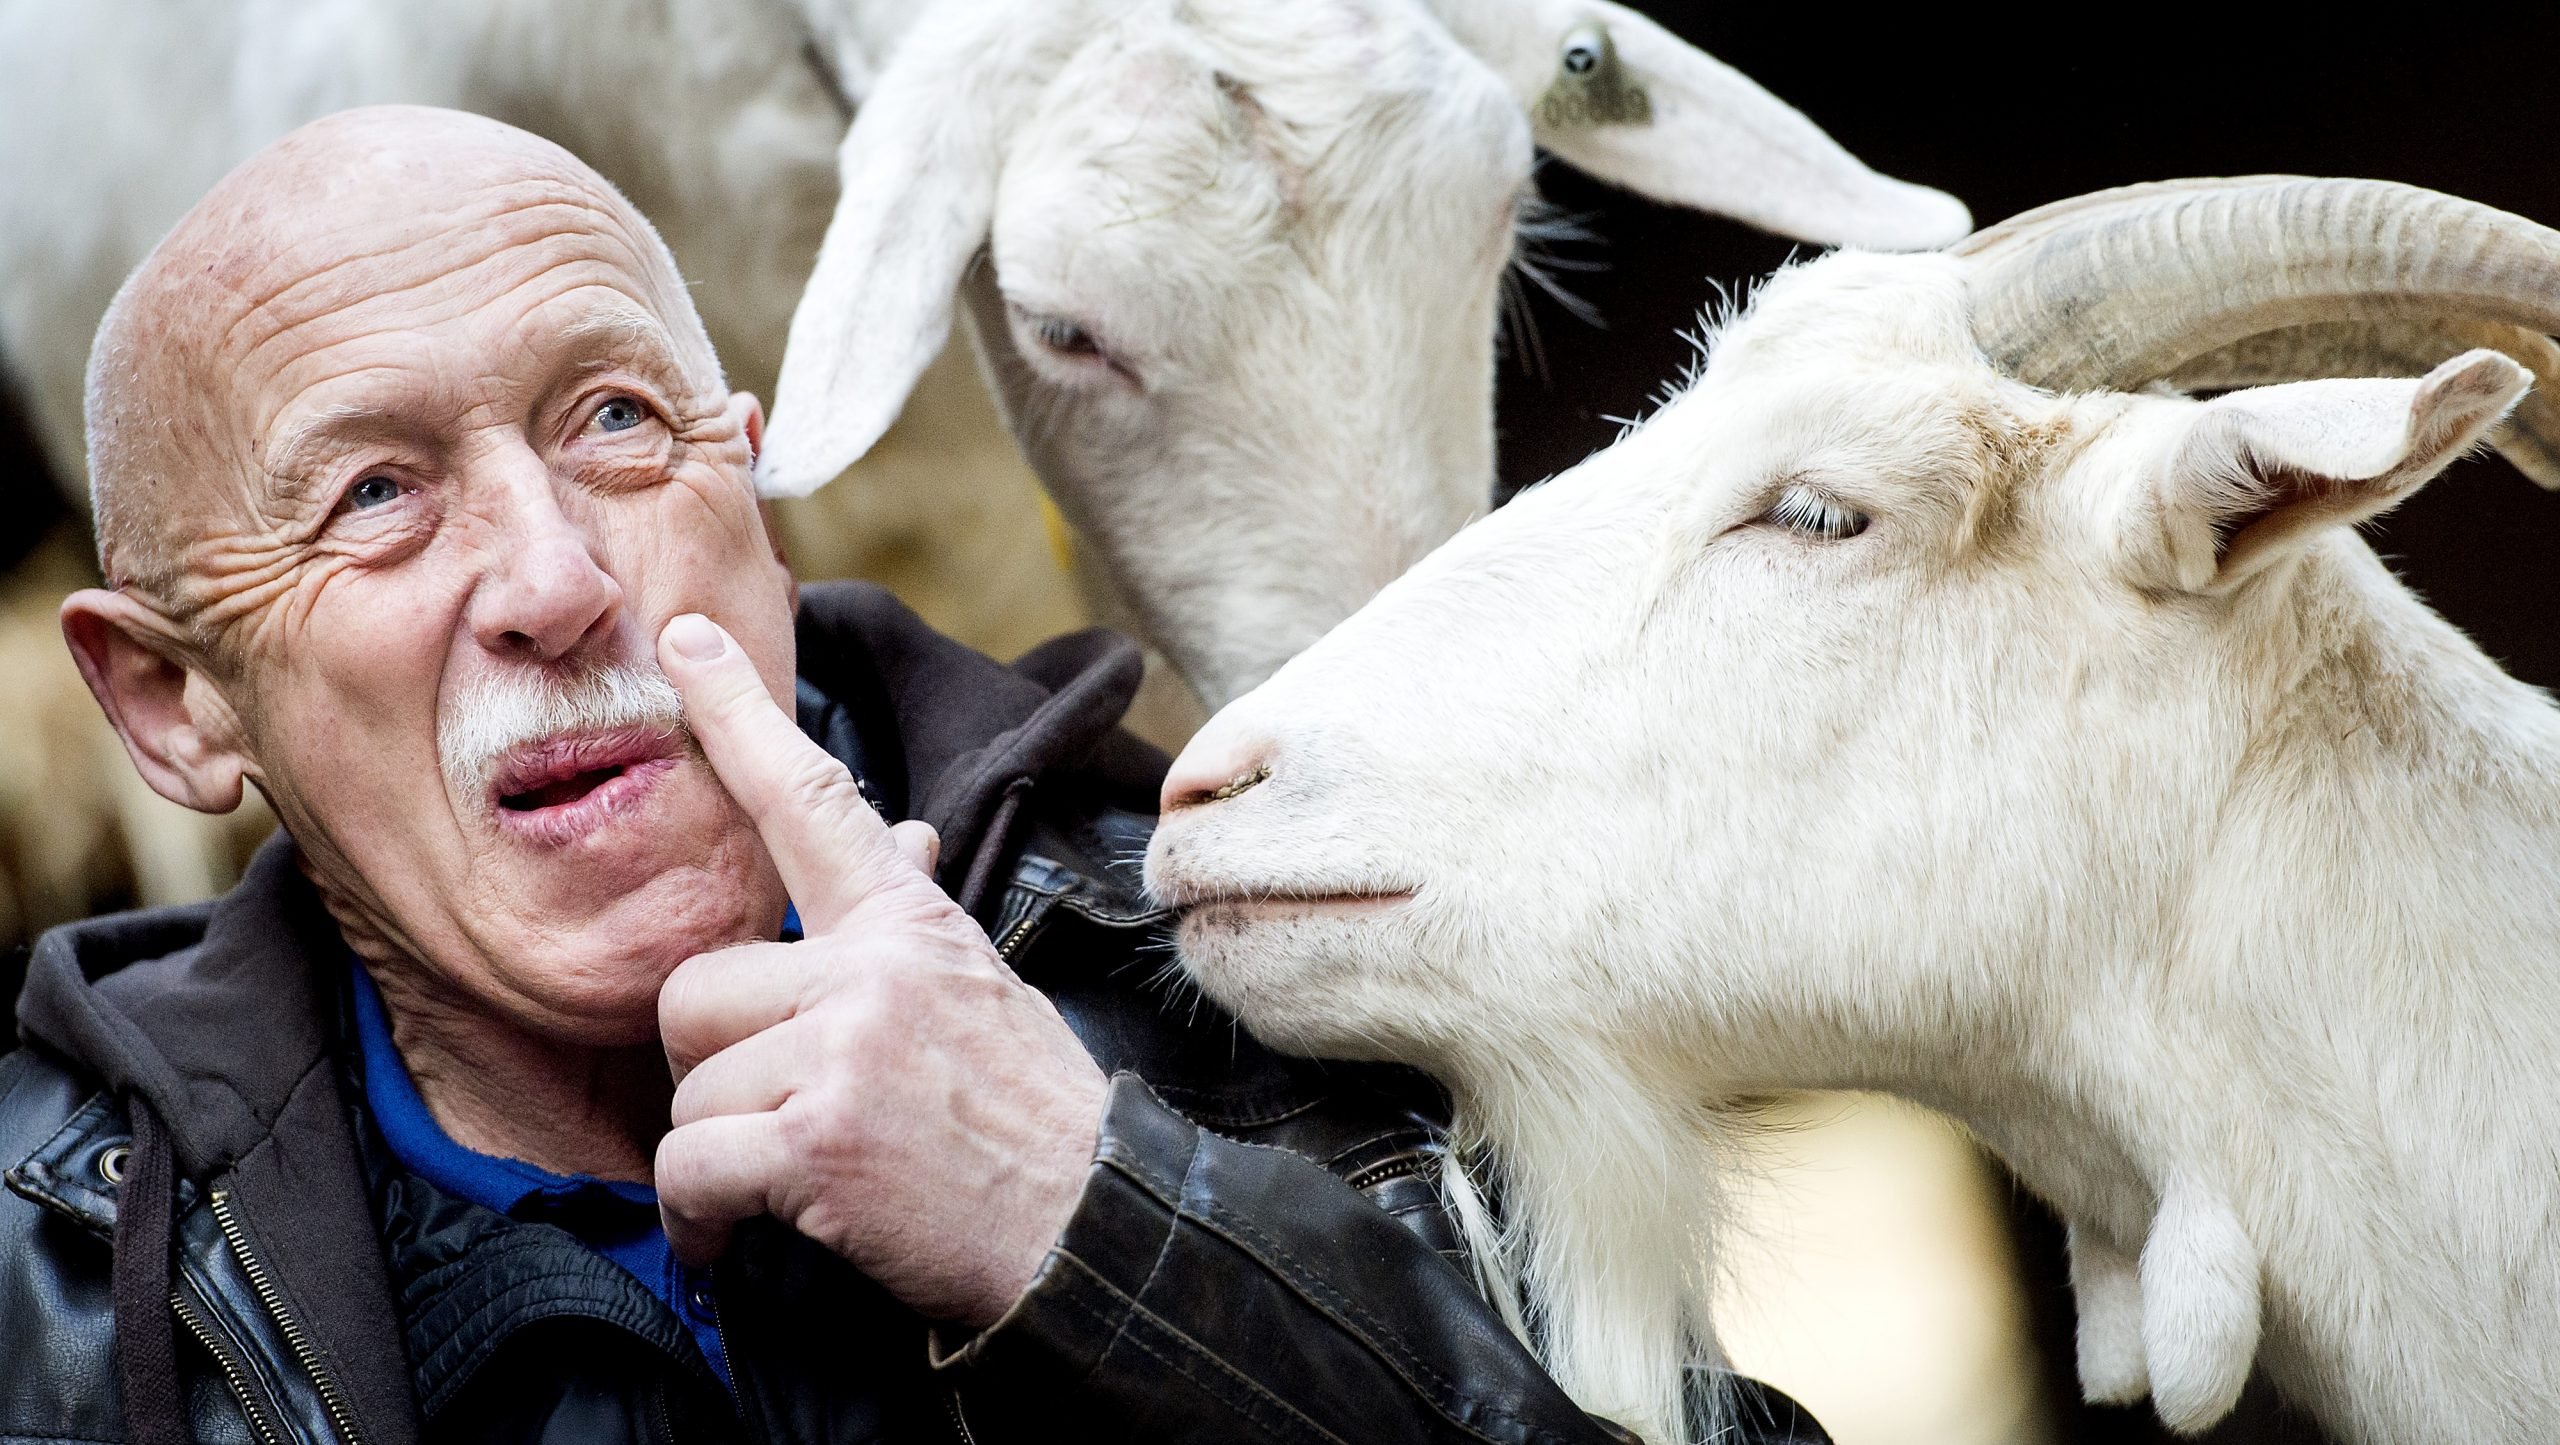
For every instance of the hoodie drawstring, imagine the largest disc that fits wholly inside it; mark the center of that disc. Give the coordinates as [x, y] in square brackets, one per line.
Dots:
[155, 1411]
[982, 868]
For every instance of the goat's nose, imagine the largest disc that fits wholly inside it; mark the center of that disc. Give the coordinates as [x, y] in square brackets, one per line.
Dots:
[1215, 767]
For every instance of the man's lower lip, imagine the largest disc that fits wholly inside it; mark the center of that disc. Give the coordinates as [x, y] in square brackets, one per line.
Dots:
[567, 823]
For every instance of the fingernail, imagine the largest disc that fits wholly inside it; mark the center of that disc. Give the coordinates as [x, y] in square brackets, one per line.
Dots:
[696, 636]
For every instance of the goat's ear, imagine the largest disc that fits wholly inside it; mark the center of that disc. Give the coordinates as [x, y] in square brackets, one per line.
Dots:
[1620, 97]
[918, 170]
[2257, 474]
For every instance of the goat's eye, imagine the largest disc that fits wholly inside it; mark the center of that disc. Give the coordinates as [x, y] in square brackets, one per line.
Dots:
[620, 413]
[370, 493]
[1809, 513]
[1065, 337]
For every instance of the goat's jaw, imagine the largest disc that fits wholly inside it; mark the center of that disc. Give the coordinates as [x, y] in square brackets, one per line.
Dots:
[1287, 968]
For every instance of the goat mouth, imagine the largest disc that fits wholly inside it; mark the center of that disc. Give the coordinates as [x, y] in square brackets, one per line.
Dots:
[1283, 903]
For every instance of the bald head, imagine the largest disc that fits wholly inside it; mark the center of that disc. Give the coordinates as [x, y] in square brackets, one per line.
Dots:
[265, 289]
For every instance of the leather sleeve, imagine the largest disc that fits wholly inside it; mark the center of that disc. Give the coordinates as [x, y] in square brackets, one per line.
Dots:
[1211, 1290]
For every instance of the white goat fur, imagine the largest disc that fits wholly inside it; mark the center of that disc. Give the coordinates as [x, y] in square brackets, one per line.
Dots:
[2216, 890]
[1287, 222]
[1277, 234]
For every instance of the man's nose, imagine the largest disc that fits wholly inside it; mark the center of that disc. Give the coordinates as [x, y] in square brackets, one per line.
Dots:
[545, 592]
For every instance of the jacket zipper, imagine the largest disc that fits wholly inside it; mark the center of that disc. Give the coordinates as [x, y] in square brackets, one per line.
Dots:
[960, 1422]
[232, 1374]
[1017, 935]
[666, 1420]
[728, 1367]
[300, 1343]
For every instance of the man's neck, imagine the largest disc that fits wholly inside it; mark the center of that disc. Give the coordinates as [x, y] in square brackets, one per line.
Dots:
[496, 1089]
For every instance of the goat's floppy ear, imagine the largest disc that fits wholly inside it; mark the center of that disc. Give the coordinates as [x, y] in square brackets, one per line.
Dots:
[2258, 473]
[1620, 97]
[918, 169]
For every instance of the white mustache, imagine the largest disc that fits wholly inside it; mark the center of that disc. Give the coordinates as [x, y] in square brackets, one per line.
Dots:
[499, 711]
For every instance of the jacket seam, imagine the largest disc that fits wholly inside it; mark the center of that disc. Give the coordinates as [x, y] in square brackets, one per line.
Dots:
[1130, 1310]
[1441, 1393]
[1202, 1106]
[1164, 1253]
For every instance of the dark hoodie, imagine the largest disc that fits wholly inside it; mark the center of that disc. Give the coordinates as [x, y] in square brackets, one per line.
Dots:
[204, 1237]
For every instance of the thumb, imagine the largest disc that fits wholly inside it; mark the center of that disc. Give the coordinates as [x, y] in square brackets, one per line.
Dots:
[918, 843]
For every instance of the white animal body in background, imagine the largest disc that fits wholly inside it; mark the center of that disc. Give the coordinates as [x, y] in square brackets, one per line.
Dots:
[1246, 254]
[1921, 701]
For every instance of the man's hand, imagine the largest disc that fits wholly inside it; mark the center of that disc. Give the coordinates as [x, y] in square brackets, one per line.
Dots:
[885, 1086]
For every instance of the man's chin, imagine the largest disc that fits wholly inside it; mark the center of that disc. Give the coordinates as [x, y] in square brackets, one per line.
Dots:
[595, 978]
[596, 924]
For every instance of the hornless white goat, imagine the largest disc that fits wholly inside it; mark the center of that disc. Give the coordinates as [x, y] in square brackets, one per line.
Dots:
[1919, 703]
[1247, 253]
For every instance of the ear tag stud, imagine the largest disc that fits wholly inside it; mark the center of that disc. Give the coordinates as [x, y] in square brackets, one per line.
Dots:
[1592, 86]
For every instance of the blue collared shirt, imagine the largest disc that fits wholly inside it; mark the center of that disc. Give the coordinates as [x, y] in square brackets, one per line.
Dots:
[614, 1217]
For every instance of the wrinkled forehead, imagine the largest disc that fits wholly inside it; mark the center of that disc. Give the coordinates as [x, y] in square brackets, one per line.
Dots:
[283, 311]
[1264, 124]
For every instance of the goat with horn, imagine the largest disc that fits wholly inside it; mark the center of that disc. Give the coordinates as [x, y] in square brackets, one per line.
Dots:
[1928, 699]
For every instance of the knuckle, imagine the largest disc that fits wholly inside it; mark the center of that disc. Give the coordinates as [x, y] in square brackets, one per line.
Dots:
[818, 785]
[818, 1128]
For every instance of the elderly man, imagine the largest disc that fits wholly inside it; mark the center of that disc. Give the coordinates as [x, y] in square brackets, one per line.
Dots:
[586, 1060]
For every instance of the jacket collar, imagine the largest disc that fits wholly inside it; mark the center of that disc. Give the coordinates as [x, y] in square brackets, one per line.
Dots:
[954, 732]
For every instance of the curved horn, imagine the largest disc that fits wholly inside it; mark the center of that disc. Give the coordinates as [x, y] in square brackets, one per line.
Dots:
[2530, 439]
[2124, 287]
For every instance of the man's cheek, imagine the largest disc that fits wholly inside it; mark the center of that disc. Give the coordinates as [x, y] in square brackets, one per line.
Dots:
[698, 544]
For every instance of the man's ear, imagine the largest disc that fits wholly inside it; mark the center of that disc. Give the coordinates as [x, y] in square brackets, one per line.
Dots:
[176, 727]
[753, 422]
[2258, 474]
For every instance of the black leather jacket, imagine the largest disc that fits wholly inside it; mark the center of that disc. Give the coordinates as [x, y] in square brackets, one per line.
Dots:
[1260, 1252]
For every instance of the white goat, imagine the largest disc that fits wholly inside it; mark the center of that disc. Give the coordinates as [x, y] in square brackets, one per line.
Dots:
[1912, 704]
[1245, 264]
[1247, 252]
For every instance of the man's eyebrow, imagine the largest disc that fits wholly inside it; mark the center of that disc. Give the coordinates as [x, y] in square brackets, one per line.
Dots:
[621, 327]
[291, 456]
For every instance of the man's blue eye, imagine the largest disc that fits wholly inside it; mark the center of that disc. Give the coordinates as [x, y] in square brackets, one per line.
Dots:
[620, 414]
[372, 492]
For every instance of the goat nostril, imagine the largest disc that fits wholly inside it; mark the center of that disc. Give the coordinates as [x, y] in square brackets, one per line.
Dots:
[1239, 783]
[1177, 796]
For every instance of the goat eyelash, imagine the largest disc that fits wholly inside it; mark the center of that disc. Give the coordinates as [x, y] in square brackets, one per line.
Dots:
[1807, 512]
[1061, 335]
[1071, 344]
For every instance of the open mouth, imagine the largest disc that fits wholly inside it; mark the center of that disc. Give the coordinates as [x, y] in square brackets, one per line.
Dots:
[566, 790]
[563, 788]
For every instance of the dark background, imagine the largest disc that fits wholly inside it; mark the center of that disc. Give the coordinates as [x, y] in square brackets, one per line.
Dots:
[2008, 110]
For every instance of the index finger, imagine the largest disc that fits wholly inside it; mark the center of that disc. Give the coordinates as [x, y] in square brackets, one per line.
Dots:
[830, 847]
